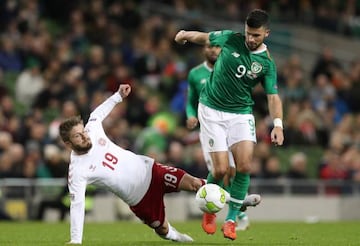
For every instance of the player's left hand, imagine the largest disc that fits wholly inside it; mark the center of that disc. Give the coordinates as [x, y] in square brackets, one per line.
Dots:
[124, 90]
[277, 136]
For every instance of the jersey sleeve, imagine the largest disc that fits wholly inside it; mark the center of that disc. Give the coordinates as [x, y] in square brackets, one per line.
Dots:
[192, 97]
[77, 188]
[218, 38]
[103, 110]
[270, 79]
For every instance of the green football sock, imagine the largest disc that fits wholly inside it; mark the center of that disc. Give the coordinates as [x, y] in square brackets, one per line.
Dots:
[228, 187]
[212, 180]
[238, 191]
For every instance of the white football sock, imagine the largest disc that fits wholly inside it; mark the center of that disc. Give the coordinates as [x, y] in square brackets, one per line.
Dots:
[172, 233]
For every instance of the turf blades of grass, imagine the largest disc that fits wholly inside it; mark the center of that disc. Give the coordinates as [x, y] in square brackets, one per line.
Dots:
[132, 233]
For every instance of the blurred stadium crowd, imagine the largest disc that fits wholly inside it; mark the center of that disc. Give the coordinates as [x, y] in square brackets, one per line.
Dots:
[62, 58]
[337, 16]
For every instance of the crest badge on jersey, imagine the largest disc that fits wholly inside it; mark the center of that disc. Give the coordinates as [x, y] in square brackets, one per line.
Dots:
[256, 67]
[211, 142]
[102, 141]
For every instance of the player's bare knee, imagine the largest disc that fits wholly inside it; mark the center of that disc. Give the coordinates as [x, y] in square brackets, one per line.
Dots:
[219, 173]
[245, 168]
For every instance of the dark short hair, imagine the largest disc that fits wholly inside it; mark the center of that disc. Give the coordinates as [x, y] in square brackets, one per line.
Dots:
[67, 125]
[257, 18]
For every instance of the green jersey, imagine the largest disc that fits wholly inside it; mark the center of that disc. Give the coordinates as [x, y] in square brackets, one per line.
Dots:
[197, 78]
[236, 72]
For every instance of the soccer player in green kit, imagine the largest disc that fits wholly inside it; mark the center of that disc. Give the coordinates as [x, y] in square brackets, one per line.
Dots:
[197, 78]
[225, 104]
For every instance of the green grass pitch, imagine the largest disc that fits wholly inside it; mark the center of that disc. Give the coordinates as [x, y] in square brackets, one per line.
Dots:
[132, 233]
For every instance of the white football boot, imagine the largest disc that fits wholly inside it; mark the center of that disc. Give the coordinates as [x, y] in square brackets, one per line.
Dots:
[183, 238]
[250, 201]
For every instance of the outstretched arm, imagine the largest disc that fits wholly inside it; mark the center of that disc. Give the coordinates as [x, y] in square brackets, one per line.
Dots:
[192, 36]
[103, 110]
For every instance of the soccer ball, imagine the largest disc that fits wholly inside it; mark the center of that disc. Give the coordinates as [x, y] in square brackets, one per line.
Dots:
[211, 198]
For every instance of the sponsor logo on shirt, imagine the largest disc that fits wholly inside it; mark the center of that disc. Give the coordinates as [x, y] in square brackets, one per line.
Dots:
[203, 81]
[235, 54]
[92, 119]
[92, 167]
[251, 75]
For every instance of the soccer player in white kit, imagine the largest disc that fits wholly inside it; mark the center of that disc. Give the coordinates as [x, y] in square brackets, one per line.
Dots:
[137, 180]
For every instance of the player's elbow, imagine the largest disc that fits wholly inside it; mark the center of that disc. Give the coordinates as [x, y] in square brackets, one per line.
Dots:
[274, 99]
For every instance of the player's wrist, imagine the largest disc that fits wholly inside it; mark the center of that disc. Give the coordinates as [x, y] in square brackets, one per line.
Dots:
[117, 97]
[278, 123]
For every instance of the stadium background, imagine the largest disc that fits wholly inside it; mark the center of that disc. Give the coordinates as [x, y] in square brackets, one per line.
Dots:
[61, 58]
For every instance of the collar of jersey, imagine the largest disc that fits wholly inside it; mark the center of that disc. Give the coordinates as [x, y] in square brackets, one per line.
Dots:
[264, 47]
[207, 66]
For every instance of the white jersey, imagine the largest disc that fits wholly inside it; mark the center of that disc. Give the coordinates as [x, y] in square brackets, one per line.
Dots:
[106, 165]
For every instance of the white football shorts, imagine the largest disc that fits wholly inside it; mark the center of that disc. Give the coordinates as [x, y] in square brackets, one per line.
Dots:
[220, 130]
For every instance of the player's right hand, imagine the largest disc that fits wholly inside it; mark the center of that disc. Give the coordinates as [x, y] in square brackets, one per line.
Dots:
[192, 122]
[180, 37]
